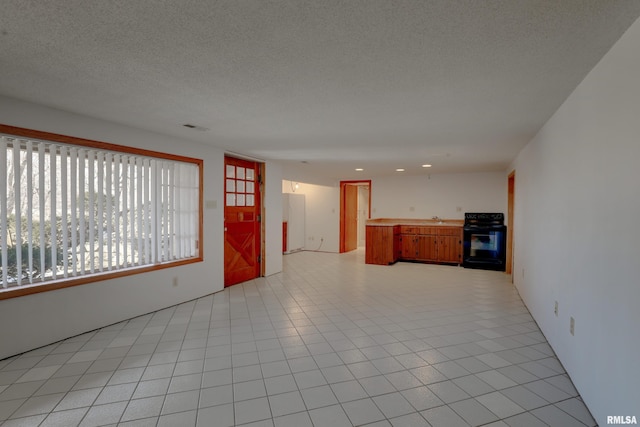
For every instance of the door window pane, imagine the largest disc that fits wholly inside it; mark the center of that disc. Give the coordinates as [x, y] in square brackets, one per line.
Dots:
[250, 187]
[231, 171]
[231, 199]
[240, 200]
[250, 175]
[231, 185]
[240, 173]
[250, 200]
[240, 187]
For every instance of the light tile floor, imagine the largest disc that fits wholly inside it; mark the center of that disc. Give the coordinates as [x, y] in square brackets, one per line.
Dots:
[329, 342]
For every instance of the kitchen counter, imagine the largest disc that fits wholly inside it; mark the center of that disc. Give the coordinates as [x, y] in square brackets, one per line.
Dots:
[424, 240]
[389, 222]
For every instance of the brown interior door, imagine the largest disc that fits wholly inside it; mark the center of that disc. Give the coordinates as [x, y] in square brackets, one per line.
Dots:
[241, 221]
[351, 217]
[349, 213]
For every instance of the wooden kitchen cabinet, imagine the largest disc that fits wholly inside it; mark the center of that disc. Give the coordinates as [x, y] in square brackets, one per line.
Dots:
[408, 246]
[450, 245]
[387, 243]
[427, 247]
[419, 247]
[449, 249]
[382, 245]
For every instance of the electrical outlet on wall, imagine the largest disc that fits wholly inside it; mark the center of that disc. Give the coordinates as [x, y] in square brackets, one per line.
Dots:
[572, 326]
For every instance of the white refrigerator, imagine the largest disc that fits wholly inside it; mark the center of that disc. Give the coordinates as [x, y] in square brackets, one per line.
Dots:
[293, 214]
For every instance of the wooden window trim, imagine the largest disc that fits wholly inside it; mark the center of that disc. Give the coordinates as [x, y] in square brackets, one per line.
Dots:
[97, 277]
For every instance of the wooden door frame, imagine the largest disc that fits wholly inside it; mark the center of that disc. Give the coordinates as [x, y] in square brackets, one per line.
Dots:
[263, 223]
[511, 188]
[343, 213]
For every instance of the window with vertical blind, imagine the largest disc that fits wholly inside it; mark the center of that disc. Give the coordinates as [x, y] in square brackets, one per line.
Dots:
[74, 211]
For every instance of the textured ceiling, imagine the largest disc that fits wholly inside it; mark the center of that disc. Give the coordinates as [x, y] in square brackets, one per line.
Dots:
[463, 85]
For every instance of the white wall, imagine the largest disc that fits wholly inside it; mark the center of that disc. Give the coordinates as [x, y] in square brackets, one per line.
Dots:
[36, 320]
[299, 172]
[576, 231]
[423, 196]
[322, 215]
[273, 218]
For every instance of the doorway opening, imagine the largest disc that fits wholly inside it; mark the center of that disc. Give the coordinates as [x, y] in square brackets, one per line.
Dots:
[355, 209]
[511, 188]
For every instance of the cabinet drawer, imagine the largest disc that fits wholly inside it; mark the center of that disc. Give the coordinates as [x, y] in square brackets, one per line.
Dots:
[408, 229]
[412, 229]
[449, 231]
[428, 230]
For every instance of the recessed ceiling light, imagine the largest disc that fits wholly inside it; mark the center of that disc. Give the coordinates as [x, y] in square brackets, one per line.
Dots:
[359, 169]
[426, 166]
[399, 170]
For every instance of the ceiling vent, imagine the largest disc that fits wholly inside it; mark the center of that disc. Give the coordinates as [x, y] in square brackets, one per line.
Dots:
[200, 128]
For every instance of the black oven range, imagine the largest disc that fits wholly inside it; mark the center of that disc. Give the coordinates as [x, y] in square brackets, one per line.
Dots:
[485, 238]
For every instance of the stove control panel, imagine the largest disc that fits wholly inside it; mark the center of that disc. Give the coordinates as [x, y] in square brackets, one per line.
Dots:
[483, 218]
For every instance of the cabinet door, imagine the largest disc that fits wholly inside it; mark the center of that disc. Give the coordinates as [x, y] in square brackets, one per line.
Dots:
[427, 248]
[450, 249]
[408, 246]
[379, 245]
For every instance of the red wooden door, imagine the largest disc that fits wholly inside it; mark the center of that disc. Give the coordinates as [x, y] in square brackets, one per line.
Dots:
[242, 231]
